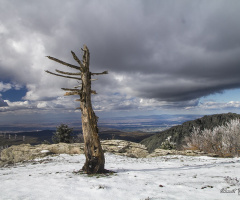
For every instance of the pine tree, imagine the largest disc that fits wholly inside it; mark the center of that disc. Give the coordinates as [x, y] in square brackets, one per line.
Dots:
[63, 134]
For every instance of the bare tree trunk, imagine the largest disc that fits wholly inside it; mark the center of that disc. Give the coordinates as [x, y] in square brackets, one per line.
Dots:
[95, 160]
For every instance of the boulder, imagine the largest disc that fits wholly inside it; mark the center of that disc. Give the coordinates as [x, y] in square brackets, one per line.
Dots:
[125, 148]
[163, 152]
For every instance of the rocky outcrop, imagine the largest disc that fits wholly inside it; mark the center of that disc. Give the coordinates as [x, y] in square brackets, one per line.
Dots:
[19, 153]
[163, 152]
[125, 148]
[25, 152]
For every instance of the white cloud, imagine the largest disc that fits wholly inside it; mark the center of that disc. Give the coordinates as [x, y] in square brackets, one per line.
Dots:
[42, 105]
[18, 105]
[57, 105]
[8, 86]
[212, 105]
[5, 86]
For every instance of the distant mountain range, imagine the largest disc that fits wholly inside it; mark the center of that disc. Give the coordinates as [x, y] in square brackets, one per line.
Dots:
[38, 137]
[118, 129]
[32, 137]
[150, 123]
[178, 132]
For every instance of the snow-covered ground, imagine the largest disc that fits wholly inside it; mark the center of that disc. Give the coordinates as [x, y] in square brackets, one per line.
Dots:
[168, 177]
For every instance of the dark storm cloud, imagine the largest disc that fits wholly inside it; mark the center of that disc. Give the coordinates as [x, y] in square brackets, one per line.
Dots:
[191, 53]
[172, 51]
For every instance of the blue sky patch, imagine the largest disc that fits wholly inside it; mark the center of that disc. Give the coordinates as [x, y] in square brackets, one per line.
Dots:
[14, 95]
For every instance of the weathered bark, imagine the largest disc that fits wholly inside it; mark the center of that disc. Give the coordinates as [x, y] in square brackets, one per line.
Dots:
[95, 160]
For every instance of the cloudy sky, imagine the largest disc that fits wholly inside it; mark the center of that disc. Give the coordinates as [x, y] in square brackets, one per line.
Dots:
[163, 56]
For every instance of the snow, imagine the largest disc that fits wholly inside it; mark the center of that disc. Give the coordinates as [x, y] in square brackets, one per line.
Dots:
[166, 177]
[45, 151]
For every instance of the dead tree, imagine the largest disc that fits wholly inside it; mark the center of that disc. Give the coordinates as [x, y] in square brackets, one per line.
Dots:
[95, 160]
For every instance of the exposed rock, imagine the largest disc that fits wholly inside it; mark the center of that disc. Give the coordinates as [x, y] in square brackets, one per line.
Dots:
[163, 152]
[24, 152]
[19, 153]
[60, 148]
[126, 148]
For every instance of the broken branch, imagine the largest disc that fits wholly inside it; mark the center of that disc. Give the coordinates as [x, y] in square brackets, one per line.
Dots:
[68, 73]
[62, 75]
[69, 89]
[93, 92]
[63, 63]
[77, 59]
[105, 72]
[72, 93]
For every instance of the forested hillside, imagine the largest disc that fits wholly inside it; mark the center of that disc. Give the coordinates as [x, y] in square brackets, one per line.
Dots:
[178, 132]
